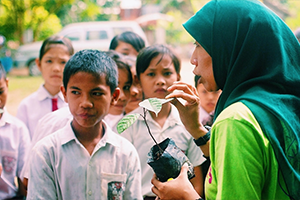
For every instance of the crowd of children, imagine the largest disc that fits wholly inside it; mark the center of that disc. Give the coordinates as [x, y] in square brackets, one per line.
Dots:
[68, 147]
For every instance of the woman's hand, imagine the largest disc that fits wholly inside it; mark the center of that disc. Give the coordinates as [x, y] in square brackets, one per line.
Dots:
[190, 110]
[179, 188]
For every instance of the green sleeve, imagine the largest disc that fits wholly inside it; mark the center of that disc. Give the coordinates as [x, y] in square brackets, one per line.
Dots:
[237, 160]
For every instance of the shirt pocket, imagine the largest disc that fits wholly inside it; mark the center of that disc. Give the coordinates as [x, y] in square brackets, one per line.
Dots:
[113, 185]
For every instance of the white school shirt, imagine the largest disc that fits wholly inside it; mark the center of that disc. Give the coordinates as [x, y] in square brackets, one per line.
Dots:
[36, 105]
[47, 125]
[112, 120]
[14, 145]
[173, 128]
[61, 168]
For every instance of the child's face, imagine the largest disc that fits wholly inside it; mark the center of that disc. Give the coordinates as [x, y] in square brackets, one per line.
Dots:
[126, 49]
[3, 92]
[208, 99]
[124, 86]
[136, 94]
[158, 77]
[52, 65]
[89, 99]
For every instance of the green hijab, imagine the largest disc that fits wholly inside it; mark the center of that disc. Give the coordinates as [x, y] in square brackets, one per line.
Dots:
[256, 60]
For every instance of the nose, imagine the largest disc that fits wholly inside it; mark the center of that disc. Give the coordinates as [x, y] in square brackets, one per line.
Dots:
[193, 59]
[86, 102]
[160, 80]
[134, 90]
[122, 96]
[58, 66]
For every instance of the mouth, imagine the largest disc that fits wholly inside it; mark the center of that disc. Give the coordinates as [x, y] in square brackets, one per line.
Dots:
[160, 90]
[85, 115]
[55, 76]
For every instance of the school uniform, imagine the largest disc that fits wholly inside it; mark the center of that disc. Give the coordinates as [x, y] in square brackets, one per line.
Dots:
[112, 120]
[63, 169]
[36, 105]
[14, 145]
[173, 128]
[47, 125]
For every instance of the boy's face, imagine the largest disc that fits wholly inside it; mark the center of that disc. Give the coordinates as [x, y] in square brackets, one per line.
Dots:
[89, 99]
[208, 99]
[158, 77]
[3, 92]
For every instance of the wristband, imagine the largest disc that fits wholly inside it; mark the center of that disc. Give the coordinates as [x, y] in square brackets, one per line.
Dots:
[203, 140]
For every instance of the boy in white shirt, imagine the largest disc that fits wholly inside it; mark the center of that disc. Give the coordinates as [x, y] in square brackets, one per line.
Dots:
[14, 144]
[86, 159]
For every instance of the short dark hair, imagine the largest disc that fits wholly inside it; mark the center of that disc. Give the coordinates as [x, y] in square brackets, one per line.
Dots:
[94, 62]
[121, 62]
[147, 54]
[56, 40]
[129, 37]
[2, 71]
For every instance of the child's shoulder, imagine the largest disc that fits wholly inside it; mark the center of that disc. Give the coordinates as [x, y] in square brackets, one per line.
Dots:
[13, 121]
[33, 97]
[119, 142]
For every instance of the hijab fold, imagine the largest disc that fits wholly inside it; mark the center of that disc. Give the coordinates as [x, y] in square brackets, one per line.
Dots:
[256, 60]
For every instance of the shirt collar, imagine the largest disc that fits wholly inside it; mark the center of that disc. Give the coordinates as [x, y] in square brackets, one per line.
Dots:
[69, 135]
[44, 94]
[6, 118]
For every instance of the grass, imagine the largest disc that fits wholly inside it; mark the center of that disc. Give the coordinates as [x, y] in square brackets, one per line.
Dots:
[19, 87]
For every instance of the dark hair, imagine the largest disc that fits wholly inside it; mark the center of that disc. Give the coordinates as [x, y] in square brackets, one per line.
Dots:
[196, 79]
[128, 37]
[2, 71]
[94, 62]
[147, 54]
[121, 62]
[55, 40]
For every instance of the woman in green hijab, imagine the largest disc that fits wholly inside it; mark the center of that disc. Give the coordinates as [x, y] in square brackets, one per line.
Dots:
[248, 52]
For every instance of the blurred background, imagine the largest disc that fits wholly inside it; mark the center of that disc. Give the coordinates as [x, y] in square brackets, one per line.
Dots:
[26, 21]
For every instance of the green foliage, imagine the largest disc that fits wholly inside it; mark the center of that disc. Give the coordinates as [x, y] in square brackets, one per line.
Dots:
[294, 20]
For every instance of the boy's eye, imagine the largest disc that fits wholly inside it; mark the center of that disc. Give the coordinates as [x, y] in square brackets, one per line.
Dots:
[48, 61]
[126, 87]
[74, 92]
[97, 93]
[63, 62]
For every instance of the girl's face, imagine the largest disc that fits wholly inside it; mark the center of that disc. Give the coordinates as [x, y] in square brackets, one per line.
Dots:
[158, 77]
[203, 67]
[52, 65]
[124, 86]
[208, 99]
[126, 49]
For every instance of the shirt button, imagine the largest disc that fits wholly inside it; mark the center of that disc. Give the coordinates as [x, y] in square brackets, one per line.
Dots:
[90, 192]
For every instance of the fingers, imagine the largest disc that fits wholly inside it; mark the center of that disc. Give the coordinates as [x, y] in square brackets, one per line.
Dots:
[187, 88]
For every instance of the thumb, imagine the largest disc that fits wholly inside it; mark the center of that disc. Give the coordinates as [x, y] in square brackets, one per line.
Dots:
[184, 170]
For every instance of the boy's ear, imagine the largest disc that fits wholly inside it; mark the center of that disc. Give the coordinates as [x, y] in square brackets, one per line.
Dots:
[38, 63]
[115, 96]
[62, 89]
